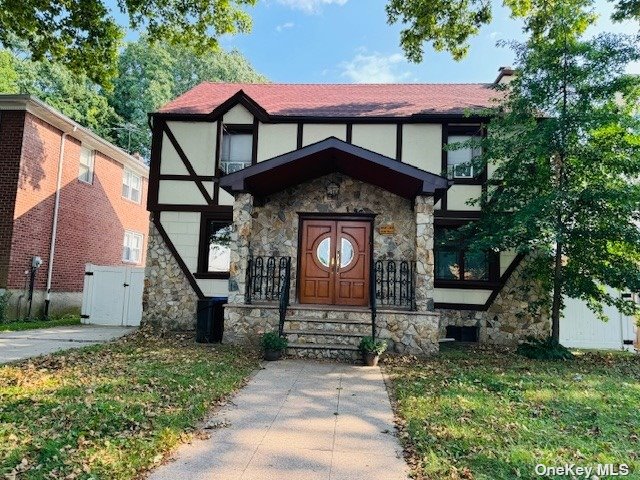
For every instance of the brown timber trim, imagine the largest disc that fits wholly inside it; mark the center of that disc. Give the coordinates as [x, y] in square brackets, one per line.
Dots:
[437, 118]
[202, 178]
[399, 142]
[457, 214]
[349, 137]
[216, 168]
[187, 164]
[165, 207]
[254, 145]
[444, 164]
[154, 168]
[176, 255]
[299, 135]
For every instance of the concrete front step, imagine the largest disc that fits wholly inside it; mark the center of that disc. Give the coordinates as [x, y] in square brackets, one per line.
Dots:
[331, 333]
[327, 350]
[302, 318]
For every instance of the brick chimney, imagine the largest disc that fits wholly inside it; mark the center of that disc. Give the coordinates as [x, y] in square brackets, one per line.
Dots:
[505, 75]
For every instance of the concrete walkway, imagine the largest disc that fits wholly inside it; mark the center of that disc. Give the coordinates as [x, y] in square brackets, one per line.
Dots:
[298, 420]
[31, 343]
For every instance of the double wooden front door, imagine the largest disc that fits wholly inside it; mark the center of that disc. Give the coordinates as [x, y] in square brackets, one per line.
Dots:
[335, 262]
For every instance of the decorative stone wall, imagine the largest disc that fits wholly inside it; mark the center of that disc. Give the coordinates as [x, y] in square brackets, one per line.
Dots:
[508, 320]
[240, 246]
[244, 325]
[168, 300]
[424, 253]
[409, 332]
[273, 228]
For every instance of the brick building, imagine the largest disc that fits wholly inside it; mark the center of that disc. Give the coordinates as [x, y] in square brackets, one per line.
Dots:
[68, 197]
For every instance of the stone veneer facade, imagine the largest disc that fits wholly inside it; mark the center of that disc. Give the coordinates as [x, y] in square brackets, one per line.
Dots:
[272, 229]
[510, 318]
[168, 300]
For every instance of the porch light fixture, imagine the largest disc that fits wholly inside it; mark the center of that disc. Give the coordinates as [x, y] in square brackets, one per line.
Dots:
[333, 189]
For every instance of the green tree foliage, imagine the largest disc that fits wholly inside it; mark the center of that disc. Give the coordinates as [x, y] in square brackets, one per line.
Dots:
[8, 74]
[151, 74]
[566, 146]
[74, 95]
[84, 36]
[450, 25]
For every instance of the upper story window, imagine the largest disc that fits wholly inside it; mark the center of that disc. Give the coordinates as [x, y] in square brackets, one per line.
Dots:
[132, 247]
[87, 158]
[131, 186]
[237, 149]
[455, 264]
[460, 161]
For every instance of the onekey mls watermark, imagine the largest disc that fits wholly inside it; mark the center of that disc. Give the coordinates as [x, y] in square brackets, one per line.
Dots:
[600, 470]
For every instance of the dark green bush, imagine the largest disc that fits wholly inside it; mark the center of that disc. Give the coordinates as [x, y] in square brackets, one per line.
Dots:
[273, 341]
[369, 345]
[544, 349]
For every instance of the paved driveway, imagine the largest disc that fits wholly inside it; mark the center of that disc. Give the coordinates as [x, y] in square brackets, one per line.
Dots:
[298, 420]
[31, 343]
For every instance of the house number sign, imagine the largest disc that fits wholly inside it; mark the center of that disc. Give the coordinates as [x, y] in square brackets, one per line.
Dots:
[389, 229]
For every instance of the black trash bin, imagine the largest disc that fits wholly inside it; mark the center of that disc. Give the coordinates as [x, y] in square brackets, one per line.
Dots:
[217, 327]
[210, 320]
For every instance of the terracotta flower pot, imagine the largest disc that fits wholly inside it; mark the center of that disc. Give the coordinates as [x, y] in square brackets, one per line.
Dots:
[371, 359]
[272, 355]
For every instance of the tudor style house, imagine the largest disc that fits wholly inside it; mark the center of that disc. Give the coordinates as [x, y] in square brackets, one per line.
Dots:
[321, 211]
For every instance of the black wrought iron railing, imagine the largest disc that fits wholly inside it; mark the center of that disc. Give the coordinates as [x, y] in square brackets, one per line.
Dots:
[394, 284]
[374, 303]
[284, 295]
[265, 277]
[269, 279]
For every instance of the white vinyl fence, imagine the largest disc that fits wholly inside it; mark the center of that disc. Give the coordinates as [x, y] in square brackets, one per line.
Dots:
[112, 295]
[580, 328]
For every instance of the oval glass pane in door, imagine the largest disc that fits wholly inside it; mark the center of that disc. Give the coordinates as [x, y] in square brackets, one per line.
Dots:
[346, 252]
[323, 252]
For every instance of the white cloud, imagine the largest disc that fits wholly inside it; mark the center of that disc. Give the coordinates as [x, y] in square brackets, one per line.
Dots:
[310, 6]
[375, 68]
[285, 26]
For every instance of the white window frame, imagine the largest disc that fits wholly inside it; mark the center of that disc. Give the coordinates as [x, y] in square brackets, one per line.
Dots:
[90, 166]
[127, 176]
[127, 248]
[226, 149]
[474, 152]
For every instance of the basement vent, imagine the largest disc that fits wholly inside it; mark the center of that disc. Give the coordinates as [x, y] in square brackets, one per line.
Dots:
[462, 334]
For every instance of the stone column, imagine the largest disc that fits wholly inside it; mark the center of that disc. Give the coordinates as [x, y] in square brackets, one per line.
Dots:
[424, 253]
[240, 237]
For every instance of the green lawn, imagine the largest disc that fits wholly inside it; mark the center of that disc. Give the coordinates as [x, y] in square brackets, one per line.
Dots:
[34, 324]
[110, 411]
[480, 414]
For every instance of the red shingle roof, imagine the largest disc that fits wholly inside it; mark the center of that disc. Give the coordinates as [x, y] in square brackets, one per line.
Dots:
[352, 100]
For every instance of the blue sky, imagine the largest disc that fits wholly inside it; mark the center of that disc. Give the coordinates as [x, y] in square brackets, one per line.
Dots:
[349, 41]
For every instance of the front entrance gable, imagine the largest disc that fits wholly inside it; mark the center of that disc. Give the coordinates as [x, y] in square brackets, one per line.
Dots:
[334, 156]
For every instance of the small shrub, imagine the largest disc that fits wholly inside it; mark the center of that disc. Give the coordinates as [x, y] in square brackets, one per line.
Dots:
[273, 341]
[369, 345]
[544, 349]
[4, 305]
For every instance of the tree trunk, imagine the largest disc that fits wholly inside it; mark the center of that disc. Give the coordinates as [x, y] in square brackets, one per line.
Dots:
[557, 295]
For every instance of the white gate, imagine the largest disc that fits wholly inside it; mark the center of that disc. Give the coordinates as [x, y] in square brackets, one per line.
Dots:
[580, 328]
[112, 295]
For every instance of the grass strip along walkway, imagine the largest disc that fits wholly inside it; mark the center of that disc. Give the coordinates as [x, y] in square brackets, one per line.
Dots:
[481, 414]
[37, 324]
[110, 411]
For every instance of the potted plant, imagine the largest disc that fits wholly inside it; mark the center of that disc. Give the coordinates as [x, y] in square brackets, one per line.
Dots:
[371, 350]
[273, 345]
